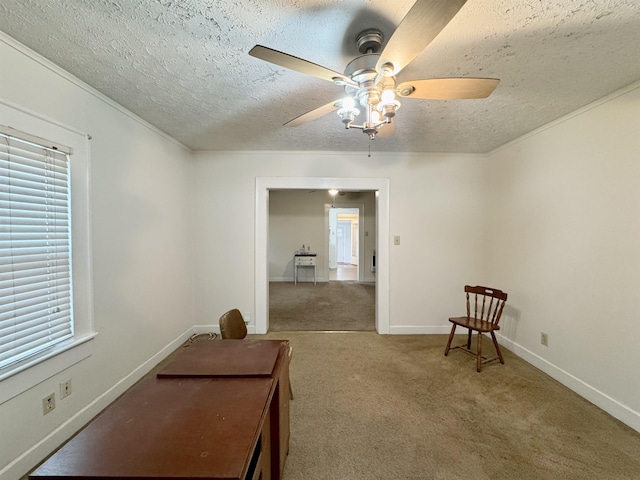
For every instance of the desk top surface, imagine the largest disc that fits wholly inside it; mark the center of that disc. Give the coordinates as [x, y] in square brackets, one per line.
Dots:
[226, 358]
[169, 428]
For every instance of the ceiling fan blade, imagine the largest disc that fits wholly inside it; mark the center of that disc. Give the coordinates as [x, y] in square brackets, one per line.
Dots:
[448, 88]
[417, 29]
[313, 114]
[298, 64]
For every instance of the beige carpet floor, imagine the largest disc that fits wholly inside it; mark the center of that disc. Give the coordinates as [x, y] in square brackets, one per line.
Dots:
[371, 406]
[325, 306]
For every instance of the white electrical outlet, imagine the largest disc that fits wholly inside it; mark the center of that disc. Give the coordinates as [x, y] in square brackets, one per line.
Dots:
[65, 389]
[544, 339]
[48, 403]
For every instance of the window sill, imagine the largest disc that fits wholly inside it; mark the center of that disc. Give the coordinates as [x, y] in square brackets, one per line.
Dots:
[32, 371]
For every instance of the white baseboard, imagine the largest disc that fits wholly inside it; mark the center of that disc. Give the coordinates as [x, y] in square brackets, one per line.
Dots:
[300, 280]
[419, 330]
[610, 405]
[199, 329]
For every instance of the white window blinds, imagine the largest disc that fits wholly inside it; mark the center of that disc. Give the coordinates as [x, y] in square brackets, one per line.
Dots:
[35, 248]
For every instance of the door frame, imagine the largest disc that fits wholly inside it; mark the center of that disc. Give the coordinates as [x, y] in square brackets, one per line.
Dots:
[261, 287]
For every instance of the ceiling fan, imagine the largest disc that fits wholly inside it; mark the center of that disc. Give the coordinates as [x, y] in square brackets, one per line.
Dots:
[370, 79]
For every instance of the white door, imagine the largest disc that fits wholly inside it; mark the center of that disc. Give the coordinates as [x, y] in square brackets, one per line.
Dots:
[344, 242]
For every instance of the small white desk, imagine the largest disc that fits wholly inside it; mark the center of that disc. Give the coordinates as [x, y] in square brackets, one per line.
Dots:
[305, 260]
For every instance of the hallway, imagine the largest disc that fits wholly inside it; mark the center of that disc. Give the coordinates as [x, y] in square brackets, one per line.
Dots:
[345, 272]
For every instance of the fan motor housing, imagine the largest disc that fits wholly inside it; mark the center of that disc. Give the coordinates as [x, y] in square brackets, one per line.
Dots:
[363, 66]
[370, 41]
[362, 70]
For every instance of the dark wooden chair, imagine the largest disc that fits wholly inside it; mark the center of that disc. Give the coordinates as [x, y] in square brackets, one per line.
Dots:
[488, 304]
[232, 326]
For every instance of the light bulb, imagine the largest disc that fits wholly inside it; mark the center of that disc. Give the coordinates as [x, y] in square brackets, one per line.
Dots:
[387, 96]
[388, 104]
[333, 192]
[348, 103]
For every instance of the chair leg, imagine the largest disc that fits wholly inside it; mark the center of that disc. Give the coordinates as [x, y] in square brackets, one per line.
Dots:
[469, 340]
[453, 330]
[290, 391]
[479, 358]
[495, 344]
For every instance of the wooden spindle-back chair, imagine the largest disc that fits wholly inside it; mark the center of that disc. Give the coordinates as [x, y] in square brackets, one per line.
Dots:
[487, 304]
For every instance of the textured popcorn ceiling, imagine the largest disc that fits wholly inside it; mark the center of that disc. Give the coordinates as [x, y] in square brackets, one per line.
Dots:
[183, 66]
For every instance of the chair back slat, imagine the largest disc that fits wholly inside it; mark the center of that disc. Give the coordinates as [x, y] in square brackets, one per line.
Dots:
[491, 302]
[468, 307]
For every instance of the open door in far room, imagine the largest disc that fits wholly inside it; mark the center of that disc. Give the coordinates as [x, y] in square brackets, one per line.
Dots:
[344, 244]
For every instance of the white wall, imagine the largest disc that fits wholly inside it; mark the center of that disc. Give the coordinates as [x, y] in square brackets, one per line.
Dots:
[564, 242]
[296, 218]
[437, 206]
[142, 258]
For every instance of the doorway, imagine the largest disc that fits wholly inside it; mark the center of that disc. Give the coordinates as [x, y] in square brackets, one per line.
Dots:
[344, 244]
[265, 184]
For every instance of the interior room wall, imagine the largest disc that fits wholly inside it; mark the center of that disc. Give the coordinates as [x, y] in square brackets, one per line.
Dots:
[564, 242]
[437, 203]
[297, 217]
[142, 262]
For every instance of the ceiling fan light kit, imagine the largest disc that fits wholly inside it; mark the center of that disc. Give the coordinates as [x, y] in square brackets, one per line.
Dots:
[369, 80]
[373, 91]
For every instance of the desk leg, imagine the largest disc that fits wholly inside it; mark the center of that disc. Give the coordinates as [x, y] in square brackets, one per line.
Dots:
[295, 274]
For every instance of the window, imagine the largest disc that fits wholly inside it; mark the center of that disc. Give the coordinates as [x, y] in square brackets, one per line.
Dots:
[36, 308]
[63, 331]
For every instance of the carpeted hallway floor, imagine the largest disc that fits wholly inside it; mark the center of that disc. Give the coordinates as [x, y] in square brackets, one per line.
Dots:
[326, 306]
[392, 407]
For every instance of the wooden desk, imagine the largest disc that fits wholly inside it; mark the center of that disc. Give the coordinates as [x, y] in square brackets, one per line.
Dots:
[186, 428]
[226, 358]
[244, 358]
[218, 410]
